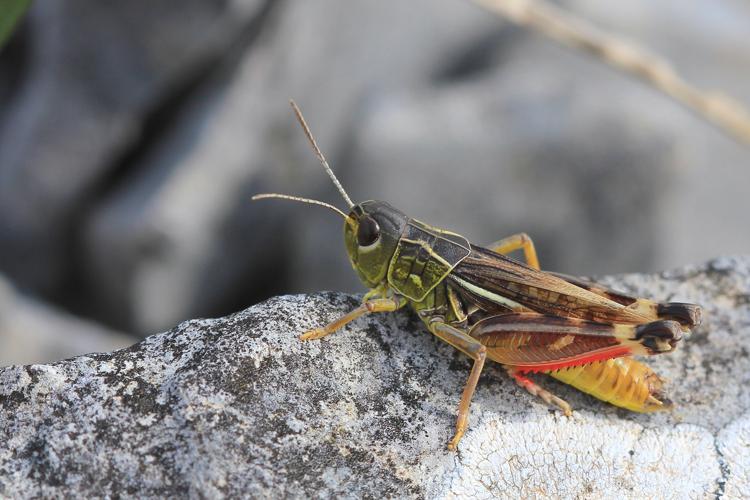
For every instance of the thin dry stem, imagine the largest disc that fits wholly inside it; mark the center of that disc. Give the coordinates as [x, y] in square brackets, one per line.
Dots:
[723, 111]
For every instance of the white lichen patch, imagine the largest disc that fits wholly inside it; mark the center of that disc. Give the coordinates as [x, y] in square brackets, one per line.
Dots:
[582, 457]
[733, 443]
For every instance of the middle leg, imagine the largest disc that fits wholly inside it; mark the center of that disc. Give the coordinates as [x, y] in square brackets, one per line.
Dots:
[538, 391]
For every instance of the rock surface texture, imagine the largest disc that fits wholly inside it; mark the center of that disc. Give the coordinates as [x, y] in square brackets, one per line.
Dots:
[237, 406]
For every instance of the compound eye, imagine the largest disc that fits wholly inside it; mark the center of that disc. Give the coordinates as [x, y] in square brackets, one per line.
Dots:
[368, 232]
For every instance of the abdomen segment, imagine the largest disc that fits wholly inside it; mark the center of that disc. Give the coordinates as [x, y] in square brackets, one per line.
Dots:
[623, 382]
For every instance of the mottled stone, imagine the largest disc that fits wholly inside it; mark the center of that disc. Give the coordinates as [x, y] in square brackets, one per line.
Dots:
[239, 406]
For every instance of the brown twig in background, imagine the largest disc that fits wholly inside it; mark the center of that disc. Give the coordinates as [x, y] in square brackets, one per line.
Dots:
[725, 112]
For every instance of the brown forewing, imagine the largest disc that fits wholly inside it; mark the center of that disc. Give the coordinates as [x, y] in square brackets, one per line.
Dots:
[536, 290]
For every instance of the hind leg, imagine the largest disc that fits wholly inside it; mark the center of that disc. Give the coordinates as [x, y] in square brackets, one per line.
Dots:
[520, 241]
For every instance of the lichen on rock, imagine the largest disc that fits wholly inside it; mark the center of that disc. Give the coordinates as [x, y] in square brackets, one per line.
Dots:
[238, 406]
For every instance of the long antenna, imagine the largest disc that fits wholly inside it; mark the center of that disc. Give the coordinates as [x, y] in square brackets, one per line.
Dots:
[318, 153]
[265, 196]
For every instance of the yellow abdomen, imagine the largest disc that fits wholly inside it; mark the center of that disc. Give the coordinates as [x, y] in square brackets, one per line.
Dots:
[623, 382]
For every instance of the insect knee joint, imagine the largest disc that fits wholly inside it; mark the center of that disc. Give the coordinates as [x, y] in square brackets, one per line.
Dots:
[480, 352]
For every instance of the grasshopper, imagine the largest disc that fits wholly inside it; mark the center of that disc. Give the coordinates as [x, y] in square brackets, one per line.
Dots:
[488, 305]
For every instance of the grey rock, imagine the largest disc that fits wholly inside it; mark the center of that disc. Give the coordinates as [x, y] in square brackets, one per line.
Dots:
[133, 136]
[32, 331]
[707, 174]
[587, 207]
[85, 81]
[237, 406]
[179, 237]
[510, 132]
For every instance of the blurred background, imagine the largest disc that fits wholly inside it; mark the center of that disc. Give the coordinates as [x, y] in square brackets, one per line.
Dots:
[132, 135]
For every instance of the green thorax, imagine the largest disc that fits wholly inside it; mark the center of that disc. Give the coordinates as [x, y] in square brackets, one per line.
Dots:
[424, 256]
[386, 247]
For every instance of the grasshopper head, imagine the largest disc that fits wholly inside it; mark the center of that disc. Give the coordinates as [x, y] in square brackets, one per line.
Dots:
[371, 229]
[371, 235]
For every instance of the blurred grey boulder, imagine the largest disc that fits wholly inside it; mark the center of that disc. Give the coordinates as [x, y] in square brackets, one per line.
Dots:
[34, 332]
[239, 407]
[133, 137]
[83, 86]
[80, 83]
[180, 237]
